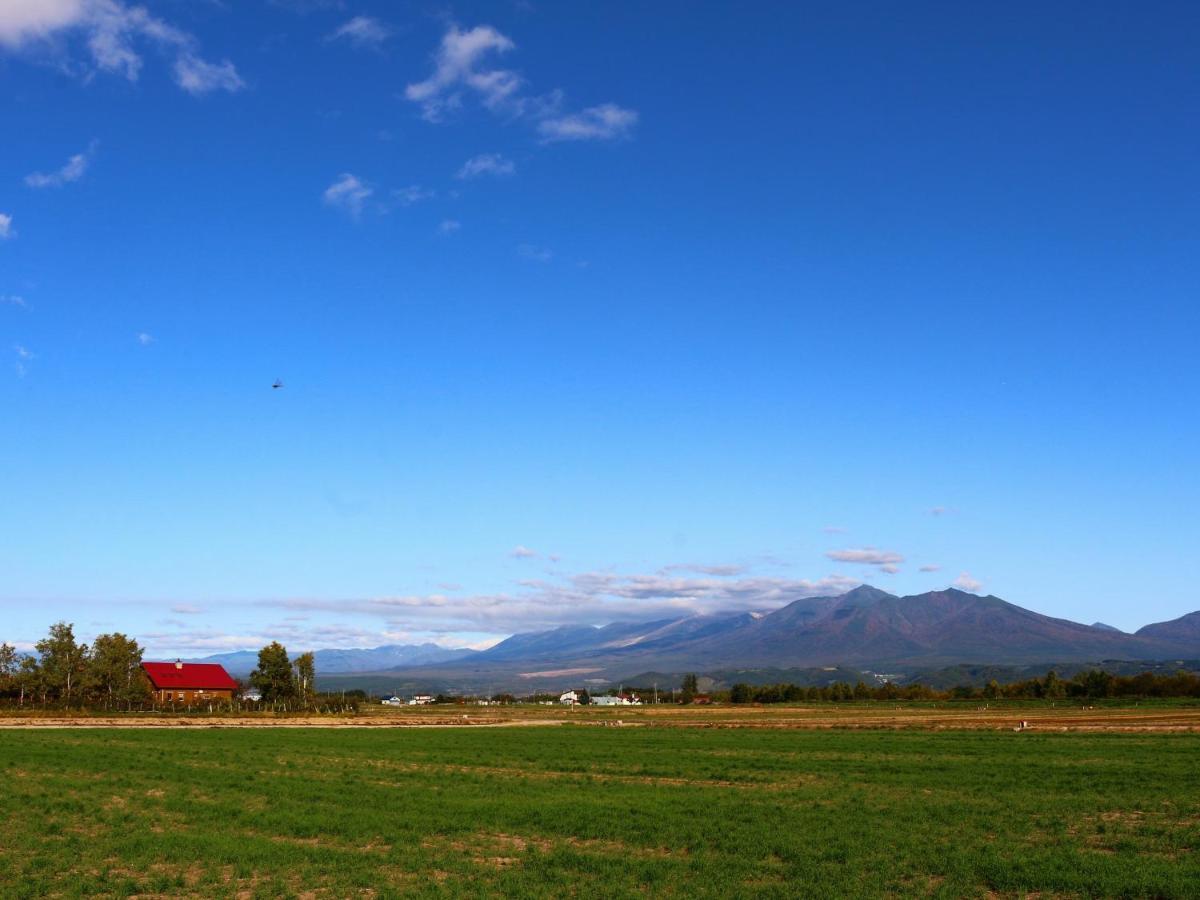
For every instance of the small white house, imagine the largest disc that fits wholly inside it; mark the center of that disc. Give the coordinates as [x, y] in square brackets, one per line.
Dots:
[570, 698]
[420, 700]
[392, 701]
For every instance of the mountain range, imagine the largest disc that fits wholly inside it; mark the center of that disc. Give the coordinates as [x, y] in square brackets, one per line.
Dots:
[866, 628]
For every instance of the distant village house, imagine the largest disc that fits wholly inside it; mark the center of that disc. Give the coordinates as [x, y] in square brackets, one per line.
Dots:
[181, 682]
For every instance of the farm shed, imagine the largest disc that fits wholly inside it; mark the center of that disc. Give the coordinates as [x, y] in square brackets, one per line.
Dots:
[181, 682]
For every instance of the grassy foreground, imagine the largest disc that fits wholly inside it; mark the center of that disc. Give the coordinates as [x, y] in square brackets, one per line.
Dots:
[573, 810]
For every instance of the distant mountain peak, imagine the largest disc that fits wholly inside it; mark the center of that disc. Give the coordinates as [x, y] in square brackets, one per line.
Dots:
[1103, 627]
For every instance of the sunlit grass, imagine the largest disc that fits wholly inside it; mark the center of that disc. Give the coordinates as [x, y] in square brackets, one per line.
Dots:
[576, 810]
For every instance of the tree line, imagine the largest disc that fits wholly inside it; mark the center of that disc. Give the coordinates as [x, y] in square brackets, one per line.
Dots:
[1094, 684]
[107, 674]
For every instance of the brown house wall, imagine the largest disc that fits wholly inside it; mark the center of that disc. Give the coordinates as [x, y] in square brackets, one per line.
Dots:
[191, 696]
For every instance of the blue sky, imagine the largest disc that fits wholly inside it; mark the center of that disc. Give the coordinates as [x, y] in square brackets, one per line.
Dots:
[590, 311]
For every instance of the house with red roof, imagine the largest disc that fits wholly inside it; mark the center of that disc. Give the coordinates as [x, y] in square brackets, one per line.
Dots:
[181, 682]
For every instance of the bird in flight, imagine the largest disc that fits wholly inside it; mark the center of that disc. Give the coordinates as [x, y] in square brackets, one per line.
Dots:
[278, 384]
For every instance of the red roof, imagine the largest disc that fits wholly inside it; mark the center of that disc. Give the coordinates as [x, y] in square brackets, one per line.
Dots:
[189, 676]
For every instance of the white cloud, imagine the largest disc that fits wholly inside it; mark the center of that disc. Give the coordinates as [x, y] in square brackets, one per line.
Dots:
[587, 598]
[605, 122]
[6, 227]
[414, 193]
[32, 20]
[535, 253]
[965, 582]
[145, 339]
[522, 552]
[941, 511]
[724, 571]
[186, 609]
[486, 164]
[13, 300]
[111, 31]
[449, 226]
[72, 170]
[362, 31]
[460, 69]
[930, 568]
[457, 67]
[885, 560]
[348, 192]
[24, 356]
[198, 77]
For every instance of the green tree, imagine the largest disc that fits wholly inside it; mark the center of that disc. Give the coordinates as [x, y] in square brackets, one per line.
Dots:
[29, 680]
[741, 693]
[273, 677]
[306, 677]
[992, 691]
[115, 671]
[9, 666]
[63, 662]
[1053, 686]
[690, 687]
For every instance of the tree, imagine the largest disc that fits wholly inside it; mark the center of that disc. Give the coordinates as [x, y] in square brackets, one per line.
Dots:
[115, 670]
[273, 677]
[1053, 686]
[690, 687]
[306, 676]
[9, 666]
[29, 680]
[62, 661]
[741, 693]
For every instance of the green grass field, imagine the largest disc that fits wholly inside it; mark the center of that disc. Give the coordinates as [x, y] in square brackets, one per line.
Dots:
[574, 810]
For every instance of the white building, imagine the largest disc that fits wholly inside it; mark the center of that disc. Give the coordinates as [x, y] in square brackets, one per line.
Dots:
[392, 701]
[570, 698]
[619, 700]
[420, 700]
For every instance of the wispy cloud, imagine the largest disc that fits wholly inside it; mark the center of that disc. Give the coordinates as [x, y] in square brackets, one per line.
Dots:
[606, 122]
[535, 253]
[449, 226]
[966, 583]
[196, 76]
[348, 193]
[13, 300]
[486, 164]
[941, 511]
[930, 568]
[414, 193]
[72, 170]
[24, 357]
[362, 31]
[145, 339]
[522, 552]
[590, 597]
[724, 571]
[463, 66]
[834, 529]
[458, 67]
[6, 227]
[186, 609]
[113, 33]
[885, 560]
